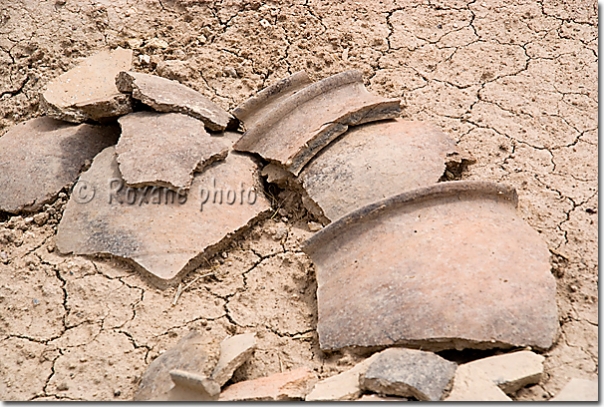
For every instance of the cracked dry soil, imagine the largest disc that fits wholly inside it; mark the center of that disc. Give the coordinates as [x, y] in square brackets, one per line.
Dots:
[515, 84]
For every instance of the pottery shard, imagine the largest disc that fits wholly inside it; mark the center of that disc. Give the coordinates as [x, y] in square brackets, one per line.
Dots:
[195, 353]
[578, 390]
[472, 384]
[344, 386]
[375, 161]
[165, 95]
[41, 156]
[234, 351]
[292, 385]
[409, 373]
[88, 91]
[456, 252]
[512, 371]
[297, 126]
[165, 232]
[251, 112]
[190, 386]
[165, 149]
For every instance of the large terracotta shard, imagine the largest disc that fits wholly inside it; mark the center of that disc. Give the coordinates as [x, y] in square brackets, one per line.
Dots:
[295, 127]
[88, 91]
[376, 161]
[165, 232]
[41, 156]
[452, 265]
[165, 95]
[165, 149]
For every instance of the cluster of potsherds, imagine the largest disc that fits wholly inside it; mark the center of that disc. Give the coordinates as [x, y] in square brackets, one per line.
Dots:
[169, 185]
[163, 190]
[199, 369]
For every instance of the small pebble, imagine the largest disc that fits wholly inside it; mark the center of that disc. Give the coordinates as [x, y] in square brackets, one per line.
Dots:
[314, 226]
[41, 218]
[230, 71]
[280, 233]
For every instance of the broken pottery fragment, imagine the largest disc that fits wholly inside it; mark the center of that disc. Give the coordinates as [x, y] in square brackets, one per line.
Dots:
[251, 112]
[373, 162]
[195, 353]
[165, 95]
[409, 373]
[295, 128]
[292, 385]
[190, 386]
[512, 371]
[344, 386]
[578, 390]
[164, 149]
[457, 253]
[472, 384]
[234, 351]
[165, 232]
[88, 91]
[41, 156]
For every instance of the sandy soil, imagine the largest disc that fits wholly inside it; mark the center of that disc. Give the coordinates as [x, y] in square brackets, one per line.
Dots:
[514, 83]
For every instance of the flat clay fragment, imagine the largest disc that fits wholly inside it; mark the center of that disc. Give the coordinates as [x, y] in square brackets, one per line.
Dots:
[164, 231]
[164, 149]
[88, 91]
[375, 161]
[41, 156]
[165, 95]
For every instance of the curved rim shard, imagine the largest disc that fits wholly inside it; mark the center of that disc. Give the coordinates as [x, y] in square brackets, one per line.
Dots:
[447, 266]
[254, 106]
[285, 135]
[467, 189]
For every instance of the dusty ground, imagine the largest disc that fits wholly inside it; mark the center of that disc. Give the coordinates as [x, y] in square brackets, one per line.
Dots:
[514, 84]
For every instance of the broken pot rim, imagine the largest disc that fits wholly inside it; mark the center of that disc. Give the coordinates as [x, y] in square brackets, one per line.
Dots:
[291, 104]
[255, 103]
[467, 189]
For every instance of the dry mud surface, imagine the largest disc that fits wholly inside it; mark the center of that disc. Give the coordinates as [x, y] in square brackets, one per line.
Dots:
[516, 84]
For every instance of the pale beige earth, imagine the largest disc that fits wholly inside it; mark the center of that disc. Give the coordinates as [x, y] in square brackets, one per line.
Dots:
[513, 82]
